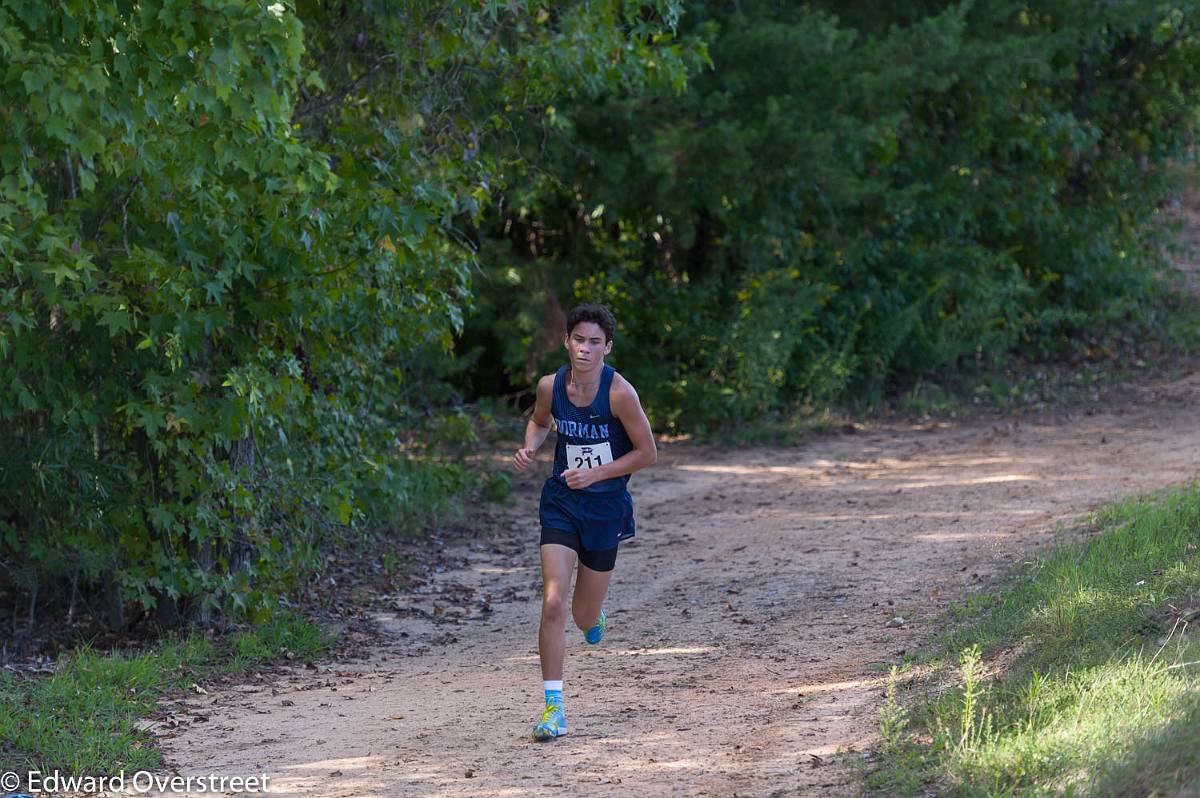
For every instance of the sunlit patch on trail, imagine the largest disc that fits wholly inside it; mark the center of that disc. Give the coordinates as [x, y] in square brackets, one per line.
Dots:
[738, 469]
[674, 651]
[952, 537]
[837, 687]
[655, 652]
[503, 569]
[942, 483]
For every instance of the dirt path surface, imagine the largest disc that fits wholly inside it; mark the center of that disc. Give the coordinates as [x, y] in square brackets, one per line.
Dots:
[748, 645]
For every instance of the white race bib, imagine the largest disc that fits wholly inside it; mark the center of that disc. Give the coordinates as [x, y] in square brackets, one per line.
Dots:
[589, 456]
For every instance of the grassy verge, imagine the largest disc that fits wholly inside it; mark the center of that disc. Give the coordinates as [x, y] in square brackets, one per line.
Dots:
[82, 717]
[1081, 676]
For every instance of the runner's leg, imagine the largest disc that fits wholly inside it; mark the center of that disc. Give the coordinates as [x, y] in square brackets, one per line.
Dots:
[557, 563]
[590, 589]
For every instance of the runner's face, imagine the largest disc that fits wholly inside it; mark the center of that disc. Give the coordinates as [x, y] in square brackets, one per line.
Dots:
[586, 346]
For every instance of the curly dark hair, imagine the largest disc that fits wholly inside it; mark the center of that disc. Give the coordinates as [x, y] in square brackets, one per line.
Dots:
[597, 314]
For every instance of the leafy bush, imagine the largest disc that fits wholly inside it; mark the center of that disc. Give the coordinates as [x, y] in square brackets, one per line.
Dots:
[842, 205]
[231, 268]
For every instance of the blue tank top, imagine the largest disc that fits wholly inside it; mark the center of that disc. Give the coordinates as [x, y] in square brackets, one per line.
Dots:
[587, 429]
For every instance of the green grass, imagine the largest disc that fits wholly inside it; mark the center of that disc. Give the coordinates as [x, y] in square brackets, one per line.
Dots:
[82, 718]
[1081, 676]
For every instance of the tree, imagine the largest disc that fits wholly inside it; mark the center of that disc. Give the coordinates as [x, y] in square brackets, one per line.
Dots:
[842, 206]
[232, 257]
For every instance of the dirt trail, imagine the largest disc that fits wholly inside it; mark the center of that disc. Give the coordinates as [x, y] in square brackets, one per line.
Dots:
[747, 648]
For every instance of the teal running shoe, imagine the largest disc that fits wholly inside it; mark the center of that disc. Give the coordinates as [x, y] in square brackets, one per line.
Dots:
[553, 723]
[596, 633]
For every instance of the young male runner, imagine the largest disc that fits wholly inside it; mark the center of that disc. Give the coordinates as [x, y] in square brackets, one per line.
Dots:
[603, 437]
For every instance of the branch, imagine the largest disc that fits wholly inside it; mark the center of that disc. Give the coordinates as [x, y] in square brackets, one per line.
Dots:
[341, 93]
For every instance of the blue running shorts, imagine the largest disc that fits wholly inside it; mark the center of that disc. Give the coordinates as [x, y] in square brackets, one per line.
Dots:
[591, 523]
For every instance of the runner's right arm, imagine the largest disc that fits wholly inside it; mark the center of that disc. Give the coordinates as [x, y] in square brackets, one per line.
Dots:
[538, 426]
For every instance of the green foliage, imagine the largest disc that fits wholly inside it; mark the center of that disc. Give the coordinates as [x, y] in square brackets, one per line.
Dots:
[1100, 689]
[86, 717]
[840, 206]
[287, 636]
[893, 715]
[231, 266]
[497, 487]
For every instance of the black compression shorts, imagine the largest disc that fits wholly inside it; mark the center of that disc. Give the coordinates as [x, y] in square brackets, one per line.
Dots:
[602, 560]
